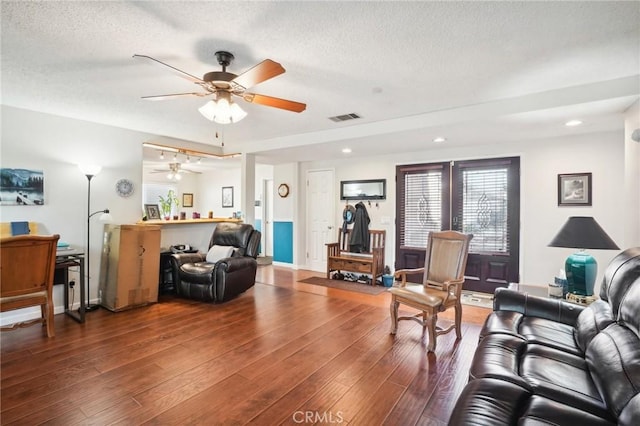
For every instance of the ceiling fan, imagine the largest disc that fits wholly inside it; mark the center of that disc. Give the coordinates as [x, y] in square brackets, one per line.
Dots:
[174, 171]
[223, 85]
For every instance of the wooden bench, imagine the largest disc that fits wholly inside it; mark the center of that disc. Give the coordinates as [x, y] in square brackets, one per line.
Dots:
[372, 263]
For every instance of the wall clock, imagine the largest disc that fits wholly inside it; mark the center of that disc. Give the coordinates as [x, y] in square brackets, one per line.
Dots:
[283, 190]
[124, 187]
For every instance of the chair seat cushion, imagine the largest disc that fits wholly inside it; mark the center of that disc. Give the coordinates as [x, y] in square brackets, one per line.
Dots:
[199, 272]
[543, 370]
[533, 330]
[420, 294]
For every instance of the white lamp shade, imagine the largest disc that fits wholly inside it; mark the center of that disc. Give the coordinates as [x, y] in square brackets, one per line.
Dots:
[90, 169]
[222, 111]
[208, 110]
[106, 218]
[237, 113]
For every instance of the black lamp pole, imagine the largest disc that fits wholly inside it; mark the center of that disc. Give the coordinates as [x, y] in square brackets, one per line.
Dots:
[90, 307]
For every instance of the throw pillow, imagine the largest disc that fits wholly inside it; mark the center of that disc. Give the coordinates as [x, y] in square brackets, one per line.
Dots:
[216, 253]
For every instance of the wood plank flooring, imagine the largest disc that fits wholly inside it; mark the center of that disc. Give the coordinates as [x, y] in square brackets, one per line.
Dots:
[284, 352]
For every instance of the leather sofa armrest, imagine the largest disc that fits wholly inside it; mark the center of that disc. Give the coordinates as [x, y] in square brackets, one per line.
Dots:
[557, 310]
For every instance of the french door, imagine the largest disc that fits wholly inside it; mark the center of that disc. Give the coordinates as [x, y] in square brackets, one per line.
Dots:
[479, 197]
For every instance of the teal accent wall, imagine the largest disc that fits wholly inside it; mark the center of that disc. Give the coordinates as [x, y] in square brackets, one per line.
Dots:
[283, 242]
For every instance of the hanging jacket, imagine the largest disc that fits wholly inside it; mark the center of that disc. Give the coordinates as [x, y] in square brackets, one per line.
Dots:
[359, 240]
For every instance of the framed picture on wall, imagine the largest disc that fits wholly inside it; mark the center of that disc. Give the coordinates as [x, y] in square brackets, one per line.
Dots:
[227, 196]
[574, 189]
[187, 200]
[21, 187]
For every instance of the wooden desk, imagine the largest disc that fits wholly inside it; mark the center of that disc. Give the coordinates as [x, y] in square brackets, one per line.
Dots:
[66, 259]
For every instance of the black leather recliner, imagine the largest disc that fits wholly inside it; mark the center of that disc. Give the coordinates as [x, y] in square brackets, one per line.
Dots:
[196, 278]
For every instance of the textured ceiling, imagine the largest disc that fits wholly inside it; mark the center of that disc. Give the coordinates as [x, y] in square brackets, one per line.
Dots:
[475, 72]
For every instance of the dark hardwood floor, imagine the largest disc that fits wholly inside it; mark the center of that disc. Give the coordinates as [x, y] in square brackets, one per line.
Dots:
[282, 353]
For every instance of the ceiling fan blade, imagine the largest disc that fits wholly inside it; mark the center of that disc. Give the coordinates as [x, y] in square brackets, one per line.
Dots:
[274, 102]
[173, 96]
[263, 71]
[175, 70]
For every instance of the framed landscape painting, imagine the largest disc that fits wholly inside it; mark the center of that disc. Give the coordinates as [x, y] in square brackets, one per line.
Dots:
[21, 187]
[574, 189]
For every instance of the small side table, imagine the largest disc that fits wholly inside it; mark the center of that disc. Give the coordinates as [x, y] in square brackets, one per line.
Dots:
[543, 291]
[534, 290]
[65, 259]
[166, 284]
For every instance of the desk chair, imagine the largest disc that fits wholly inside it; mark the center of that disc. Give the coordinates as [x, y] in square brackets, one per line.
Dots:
[26, 276]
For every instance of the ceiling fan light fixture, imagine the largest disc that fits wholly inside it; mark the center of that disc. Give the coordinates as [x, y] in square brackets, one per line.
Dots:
[208, 110]
[222, 111]
[237, 113]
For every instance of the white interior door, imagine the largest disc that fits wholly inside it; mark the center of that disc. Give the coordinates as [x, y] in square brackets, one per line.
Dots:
[320, 217]
[267, 216]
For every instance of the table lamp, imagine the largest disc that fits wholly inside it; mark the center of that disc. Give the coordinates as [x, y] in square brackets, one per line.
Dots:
[582, 233]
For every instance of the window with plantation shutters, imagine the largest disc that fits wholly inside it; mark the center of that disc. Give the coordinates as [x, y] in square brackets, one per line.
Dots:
[479, 197]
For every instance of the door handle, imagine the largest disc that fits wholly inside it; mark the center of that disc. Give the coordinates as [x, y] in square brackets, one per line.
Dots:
[329, 227]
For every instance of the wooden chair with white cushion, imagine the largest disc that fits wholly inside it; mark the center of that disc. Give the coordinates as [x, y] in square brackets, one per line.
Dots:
[443, 276]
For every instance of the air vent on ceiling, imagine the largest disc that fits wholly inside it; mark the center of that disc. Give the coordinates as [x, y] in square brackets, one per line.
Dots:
[344, 117]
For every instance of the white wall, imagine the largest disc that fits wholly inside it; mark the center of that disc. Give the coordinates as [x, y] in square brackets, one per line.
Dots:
[209, 193]
[631, 213]
[541, 161]
[288, 209]
[208, 196]
[57, 145]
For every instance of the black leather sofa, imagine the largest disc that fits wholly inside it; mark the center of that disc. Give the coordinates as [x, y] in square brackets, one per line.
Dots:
[541, 361]
[220, 280]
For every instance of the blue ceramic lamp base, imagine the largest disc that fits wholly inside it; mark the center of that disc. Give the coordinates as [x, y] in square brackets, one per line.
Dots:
[581, 269]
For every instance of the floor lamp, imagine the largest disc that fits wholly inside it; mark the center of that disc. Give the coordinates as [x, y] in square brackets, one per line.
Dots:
[90, 171]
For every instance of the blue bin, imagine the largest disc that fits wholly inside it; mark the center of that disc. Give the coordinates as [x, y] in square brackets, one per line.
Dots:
[387, 280]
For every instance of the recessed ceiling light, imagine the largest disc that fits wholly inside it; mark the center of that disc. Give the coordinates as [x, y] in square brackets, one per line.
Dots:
[572, 123]
[346, 150]
[439, 139]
